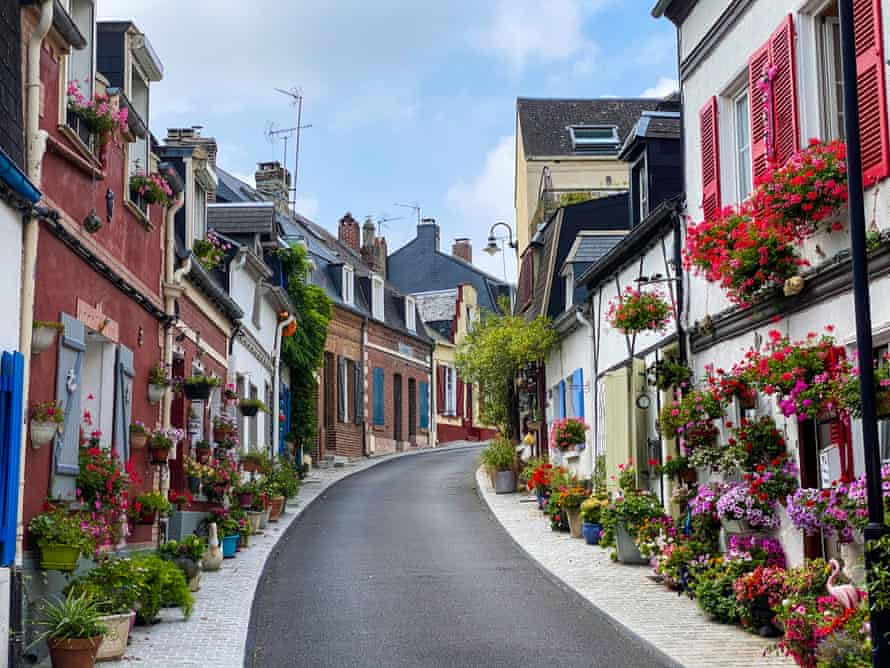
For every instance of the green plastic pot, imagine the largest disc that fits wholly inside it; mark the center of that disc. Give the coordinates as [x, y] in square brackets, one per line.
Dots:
[58, 557]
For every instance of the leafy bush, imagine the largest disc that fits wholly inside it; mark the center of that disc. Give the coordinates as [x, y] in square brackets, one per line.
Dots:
[191, 547]
[75, 616]
[499, 455]
[59, 527]
[118, 585]
[592, 508]
[164, 585]
[631, 510]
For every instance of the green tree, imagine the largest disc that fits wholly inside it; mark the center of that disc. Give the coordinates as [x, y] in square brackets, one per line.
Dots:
[494, 352]
[303, 352]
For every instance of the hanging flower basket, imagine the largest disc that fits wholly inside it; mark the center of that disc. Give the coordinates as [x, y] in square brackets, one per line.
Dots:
[156, 393]
[42, 433]
[159, 454]
[203, 454]
[196, 392]
[138, 440]
[44, 335]
[58, 557]
[635, 311]
[250, 407]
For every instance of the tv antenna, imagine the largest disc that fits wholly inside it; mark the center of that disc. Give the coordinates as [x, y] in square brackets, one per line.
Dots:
[414, 207]
[382, 221]
[272, 134]
[296, 95]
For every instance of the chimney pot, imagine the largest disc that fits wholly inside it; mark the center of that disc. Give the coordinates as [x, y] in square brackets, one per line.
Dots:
[463, 248]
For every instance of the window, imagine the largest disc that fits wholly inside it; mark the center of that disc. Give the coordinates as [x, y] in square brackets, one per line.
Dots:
[377, 311]
[832, 81]
[348, 287]
[640, 180]
[410, 319]
[570, 286]
[450, 391]
[139, 160]
[81, 63]
[343, 383]
[742, 138]
[253, 421]
[199, 212]
[594, 138]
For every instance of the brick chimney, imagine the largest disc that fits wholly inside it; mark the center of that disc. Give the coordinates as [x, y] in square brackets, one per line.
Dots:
[463, 248]
[348, 232]
[191, 137]
[273, 182]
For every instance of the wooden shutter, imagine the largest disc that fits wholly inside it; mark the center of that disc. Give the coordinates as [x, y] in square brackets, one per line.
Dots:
[786, 130]
[123, 401]
[460, 398]
[872, 90]
[379, 418]
[578, 392]
[758, 64]
[424, 405]
[710, 159]
[341, 389]
[68, 391]
[358, 394]
[11, 416]
[440, 388]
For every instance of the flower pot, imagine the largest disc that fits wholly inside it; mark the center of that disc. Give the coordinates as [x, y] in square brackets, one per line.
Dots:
[255, 518]
[688, 475]
[748, 402]
[250, 466]
[591, 532]
[114, 642]
[853, 554]
[194, 485]
[245, 500]
[229, 546]
[138, 439]
[189, 567]
[203, 455]
[147, 518]
[42, 338]
[249, 411]
[504, 482]
[42, 433]
[73, 652]
[219, 435]
[628, 552]
[276, 505]
[156, 393]
[736, 527]
[264, 520]
[58, 557]
[574, 515]
[159, 455]
[542, 499]
[196, 392]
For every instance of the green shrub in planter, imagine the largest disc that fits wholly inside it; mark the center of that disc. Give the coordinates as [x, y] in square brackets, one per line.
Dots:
[631, 510]
[164, 585]
[499, 455]
[74, 617]
[118, 584]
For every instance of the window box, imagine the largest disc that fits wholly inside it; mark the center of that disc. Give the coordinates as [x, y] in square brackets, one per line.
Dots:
[81, 129]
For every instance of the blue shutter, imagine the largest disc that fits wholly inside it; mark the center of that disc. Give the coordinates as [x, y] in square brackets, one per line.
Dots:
[283, 425]
[11, 418]
[424, 405]
[578, 392]
[68, 380]
[562, 399]
[379, 418]
[123, 401]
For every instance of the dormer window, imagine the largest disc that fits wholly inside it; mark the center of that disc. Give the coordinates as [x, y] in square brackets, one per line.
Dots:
[410, 318]
[348, 288]
[80, 65]
[377, 311]
[594, 138]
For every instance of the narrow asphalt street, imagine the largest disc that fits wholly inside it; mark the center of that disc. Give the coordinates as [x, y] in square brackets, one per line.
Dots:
[402, 565]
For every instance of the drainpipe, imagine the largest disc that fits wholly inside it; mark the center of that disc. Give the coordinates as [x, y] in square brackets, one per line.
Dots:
[276, 359]
[171, 282]
[364, 392]
[579, 316]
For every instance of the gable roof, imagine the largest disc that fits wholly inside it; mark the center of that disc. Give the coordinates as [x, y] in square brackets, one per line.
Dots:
[544, 122]
[242, 217]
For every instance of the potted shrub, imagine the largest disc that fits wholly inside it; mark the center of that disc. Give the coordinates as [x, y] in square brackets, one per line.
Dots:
[138, 435]
[250, 407]
[254, 461]
[72, 629]
[147, 506]
[162, 441]
[276, 502]
[572, 499]
[46, 418]
[591, 512]
[245, 493]
[44, 334]
[223, 426]
[61, 539]
[203, 451]
[623, 517]
[187, 554]
[162, 584]
[499, 457]
[539, 482]
[198, 386]
[158, 382]
[230, 531]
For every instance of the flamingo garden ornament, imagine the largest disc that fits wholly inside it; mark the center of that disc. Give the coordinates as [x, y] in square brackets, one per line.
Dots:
[847, 595]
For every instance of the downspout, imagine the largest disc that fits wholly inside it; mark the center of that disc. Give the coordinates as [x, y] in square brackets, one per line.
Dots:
[364, 355]
[35, 139]
[276, 372]
[171, 282]
[593, 384]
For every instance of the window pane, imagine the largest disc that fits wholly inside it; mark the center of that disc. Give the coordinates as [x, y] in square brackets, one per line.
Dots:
[743, 146]
[837, 78]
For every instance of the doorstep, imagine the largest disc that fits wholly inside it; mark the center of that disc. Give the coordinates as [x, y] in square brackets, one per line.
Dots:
[671, 623]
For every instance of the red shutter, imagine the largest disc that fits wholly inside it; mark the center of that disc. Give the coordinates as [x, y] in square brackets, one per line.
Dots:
[758, 64]
[710, 159]
[470, 403]
[786, 130]
[440, 388]
[460, 398]
[872, 90]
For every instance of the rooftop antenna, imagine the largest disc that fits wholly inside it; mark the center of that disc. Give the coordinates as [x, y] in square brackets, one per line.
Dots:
[415, 207]
[382, 220]
[296, 96]
[272, 133]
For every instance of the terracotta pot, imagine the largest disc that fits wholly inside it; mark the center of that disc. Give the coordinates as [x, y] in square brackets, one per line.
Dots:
[138, 439]
[147, 518]
[219, 435]
[250, 466]
[159, 455]
[74, 652]
[688, 475]
[275, 507]
[203, 455]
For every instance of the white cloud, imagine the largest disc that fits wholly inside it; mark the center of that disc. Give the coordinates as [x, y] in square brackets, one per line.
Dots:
[662, 88]
[477, 204]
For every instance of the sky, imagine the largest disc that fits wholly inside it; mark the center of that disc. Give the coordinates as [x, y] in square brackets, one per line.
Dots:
[409, 102]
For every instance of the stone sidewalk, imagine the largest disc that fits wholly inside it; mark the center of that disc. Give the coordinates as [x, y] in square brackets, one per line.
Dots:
[216, 633]
[673, 624]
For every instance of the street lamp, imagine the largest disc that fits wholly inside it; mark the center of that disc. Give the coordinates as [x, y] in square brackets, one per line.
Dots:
[492, 248]
[880, 621]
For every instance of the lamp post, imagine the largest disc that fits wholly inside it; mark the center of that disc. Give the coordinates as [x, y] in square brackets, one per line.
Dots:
[492, 247]
[880, 621]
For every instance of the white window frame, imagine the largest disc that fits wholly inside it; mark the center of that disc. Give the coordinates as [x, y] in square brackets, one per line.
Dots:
[450, 391]
[410, 315]
[140, 146]
[594, 145]
[377, 296]
[641, 168]
[831, 112]
[348, 287]
[570, 286]
[741, 112]
[89, 49]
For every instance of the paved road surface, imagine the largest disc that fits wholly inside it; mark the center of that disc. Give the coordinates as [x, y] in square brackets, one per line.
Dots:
[402, 565]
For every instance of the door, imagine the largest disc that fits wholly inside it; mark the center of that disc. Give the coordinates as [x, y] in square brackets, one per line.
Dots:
[397, 409]
[808, 456]
[412, 409]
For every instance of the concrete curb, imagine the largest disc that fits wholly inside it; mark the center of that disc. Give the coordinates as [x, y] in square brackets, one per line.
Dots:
[568, 588]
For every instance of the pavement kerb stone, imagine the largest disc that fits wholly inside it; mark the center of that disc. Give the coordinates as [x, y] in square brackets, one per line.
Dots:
[217, 631]
[672, 626]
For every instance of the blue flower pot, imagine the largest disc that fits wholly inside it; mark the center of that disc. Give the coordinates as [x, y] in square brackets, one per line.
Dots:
[591, 531]
[229, 545]
[542, 500]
